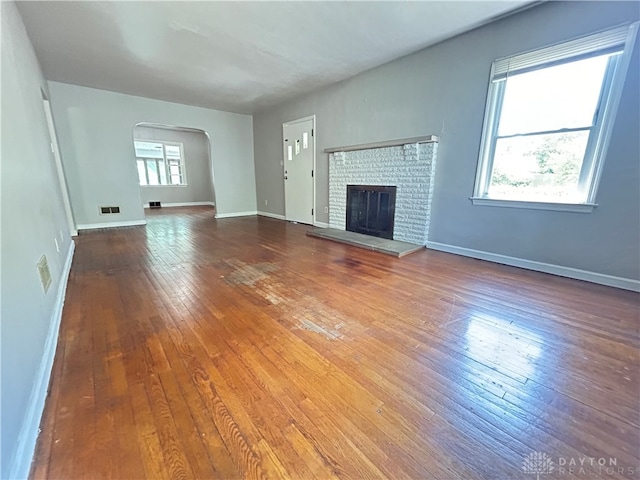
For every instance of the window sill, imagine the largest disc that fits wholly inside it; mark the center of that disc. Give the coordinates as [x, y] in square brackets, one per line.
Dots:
[155, 186]
[560, 207]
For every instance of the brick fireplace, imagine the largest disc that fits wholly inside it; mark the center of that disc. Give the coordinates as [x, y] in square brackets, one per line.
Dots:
[408, 165]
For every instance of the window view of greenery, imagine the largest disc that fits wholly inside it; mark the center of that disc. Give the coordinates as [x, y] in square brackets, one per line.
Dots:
[547, 166]
[546, 118]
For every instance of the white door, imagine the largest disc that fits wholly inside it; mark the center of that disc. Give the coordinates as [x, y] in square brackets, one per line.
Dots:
[299, 151]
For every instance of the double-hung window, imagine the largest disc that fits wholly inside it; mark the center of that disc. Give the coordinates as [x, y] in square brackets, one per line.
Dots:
[160, 163]
[547, 123]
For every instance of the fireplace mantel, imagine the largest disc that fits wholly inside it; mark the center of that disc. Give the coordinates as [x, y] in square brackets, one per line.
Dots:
[388, 143]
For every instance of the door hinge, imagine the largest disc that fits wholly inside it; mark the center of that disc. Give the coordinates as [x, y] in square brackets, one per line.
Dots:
[312, 211]
[312, 173]
[312, 132]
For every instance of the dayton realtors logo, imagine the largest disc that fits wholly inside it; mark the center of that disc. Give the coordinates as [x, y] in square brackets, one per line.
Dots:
[537, 463]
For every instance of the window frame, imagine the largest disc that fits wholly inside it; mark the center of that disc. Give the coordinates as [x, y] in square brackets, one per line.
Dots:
[164, 161]
[600, 130]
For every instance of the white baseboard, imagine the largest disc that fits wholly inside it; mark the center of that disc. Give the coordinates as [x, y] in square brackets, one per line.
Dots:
[128, 223]
[321, 224]
[236, 214]
[272, 215]
[21, 463]
[183, 204]
[594, 277]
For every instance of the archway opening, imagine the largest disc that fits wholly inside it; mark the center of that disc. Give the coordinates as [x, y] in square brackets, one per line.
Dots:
[174, 166]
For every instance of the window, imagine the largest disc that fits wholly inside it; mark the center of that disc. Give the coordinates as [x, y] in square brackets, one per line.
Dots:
[160, 163]
[547, 122]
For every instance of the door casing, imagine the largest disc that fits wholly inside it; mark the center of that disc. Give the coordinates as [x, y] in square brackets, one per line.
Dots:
[312, 146]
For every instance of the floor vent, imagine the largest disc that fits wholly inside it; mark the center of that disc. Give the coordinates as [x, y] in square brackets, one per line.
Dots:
[109, 210]
[155, 205]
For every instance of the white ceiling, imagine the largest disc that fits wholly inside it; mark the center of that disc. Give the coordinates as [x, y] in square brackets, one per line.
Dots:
[235, 56]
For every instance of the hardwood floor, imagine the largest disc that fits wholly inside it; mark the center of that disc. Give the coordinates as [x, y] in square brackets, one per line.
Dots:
[241, 348]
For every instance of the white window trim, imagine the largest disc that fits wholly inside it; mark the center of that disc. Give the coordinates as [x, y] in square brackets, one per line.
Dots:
[164, 158]
[602, 130]
[561, 207]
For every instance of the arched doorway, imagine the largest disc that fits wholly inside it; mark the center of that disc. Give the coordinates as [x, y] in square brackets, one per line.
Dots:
[174, 165]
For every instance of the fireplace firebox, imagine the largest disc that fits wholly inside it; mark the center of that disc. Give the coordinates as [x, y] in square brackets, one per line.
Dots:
[371, 210]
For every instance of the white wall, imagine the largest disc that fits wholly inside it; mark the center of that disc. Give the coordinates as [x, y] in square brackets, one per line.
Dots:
[32, 215]
[95, 133]
[195, 145]
[442, 90]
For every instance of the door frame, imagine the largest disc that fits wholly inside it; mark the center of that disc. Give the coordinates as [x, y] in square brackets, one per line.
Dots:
[57, 158]
[313, 153]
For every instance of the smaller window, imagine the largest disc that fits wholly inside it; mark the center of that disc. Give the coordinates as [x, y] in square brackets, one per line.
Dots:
[548, 119]
[159, 163]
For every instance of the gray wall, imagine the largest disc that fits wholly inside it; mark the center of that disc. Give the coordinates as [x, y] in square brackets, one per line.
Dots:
[95, 133]
[442, 90]
[195, 145]
[32, 215]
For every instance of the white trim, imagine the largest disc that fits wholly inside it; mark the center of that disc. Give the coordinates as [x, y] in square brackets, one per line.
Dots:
[561, 207]
[55, 149]
[387, 143]
[21, 462]
[128, 223]
[271, 215]
[311, 118]
[236, 214]
[608, 102]
[315, 173]
[321, 224]
[182, 204]
[562, 271]
[589, 44]
[609, 116]
[300, 120]
[163, 186]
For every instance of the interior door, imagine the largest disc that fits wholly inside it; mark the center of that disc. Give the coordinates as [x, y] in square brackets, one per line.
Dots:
[298, 146]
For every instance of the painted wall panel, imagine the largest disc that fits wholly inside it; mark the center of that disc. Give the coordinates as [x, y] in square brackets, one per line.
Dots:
[32, 216]
[95, 132]
[442, 90]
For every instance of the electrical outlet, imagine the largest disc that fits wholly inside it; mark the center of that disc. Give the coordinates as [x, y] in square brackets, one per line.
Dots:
[55, 240]
[266, 202]
[326, 209]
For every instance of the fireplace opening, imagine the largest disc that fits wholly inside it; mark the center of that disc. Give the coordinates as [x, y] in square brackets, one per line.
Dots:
[371, 210]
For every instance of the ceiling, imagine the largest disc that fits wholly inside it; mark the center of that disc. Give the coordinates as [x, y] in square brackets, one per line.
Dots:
[235, 56]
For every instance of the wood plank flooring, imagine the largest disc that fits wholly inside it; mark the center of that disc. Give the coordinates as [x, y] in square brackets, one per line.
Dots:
[242, 348]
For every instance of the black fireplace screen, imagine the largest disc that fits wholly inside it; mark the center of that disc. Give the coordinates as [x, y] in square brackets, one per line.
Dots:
[371, 210]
